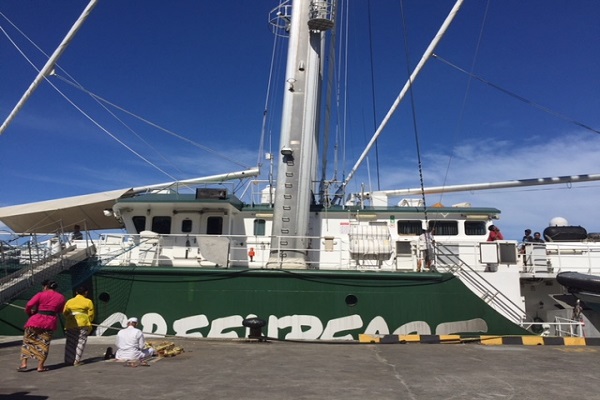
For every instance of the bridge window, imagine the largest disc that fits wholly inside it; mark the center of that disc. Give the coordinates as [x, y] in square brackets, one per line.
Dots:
[409, 227]
[259, 227]
[214, 225]
[161, 225]
[139, 222]
[445, 228]
[475, 228]
[186, 226]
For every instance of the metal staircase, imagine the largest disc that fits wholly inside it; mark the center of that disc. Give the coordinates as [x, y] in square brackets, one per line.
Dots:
[447, 261]
[18, 282]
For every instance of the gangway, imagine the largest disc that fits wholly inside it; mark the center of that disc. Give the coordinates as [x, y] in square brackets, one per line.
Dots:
[19, 281]
[447, 261]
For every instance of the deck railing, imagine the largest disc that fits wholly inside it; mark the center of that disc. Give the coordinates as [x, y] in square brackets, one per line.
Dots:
[325, 252]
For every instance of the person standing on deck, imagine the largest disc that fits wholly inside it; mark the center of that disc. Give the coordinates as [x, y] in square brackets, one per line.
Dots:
[527, 238]
[426, 249]
[537, 238]
[43, 310]
[495, 234]
[79, 314]
[76, 235]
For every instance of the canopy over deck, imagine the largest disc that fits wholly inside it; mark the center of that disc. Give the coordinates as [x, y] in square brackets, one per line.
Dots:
[62, 214]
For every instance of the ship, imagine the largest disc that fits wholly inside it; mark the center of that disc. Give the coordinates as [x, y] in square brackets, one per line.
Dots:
[304, 258]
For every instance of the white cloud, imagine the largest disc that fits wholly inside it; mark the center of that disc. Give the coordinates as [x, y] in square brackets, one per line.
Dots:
[488, 161]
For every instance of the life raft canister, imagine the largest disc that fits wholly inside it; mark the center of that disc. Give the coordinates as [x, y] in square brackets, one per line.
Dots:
[565, 233]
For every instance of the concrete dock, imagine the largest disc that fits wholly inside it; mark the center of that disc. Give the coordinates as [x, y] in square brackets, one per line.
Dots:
[210, 369]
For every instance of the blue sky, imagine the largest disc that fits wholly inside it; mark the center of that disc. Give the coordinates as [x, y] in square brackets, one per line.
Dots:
[201, 69]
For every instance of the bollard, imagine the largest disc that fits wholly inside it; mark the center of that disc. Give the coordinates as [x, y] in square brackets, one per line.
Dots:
[255, 325]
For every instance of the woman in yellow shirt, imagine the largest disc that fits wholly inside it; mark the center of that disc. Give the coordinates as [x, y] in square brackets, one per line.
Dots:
[79, 314]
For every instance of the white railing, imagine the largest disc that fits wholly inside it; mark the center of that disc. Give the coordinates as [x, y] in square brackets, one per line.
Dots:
[568, 327]
[328, 252]
[333, 252]
[563, 327]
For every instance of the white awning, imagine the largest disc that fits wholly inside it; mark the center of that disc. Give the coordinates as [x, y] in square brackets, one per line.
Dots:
[61, 214]
[88, 210]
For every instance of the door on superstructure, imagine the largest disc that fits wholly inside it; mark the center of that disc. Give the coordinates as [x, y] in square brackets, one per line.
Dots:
[214, 223]
[185, 228]
[408, 231]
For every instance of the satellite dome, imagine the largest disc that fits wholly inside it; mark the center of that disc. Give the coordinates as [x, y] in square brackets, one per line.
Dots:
[559, 221]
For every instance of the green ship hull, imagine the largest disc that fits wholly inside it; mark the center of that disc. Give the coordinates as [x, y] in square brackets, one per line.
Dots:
[303, 305]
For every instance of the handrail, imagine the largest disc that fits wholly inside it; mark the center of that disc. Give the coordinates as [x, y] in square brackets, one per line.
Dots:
[485, 288]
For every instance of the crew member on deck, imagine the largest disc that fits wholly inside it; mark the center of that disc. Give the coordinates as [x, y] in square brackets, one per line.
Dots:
[537, 238]
[426, 246]
[76, 235]
[495, 234]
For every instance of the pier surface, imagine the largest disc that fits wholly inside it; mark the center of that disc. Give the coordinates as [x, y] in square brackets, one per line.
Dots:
[212, 369]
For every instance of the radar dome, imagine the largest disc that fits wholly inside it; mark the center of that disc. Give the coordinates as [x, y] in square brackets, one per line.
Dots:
[559, 221]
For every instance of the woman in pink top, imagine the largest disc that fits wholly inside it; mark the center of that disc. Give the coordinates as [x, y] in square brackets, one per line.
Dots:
[43, 310]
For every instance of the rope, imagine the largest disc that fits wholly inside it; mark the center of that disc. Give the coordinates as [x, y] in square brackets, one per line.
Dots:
[101, 102]
[518, 97]
[69, 100]
[373, 96]
[414, 115]
[152, 124]
[464, 102]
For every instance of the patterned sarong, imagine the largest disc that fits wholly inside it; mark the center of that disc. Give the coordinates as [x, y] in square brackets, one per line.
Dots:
[36, 343]
[75, 344]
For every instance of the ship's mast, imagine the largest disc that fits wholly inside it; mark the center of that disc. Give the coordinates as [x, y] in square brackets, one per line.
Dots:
[309, 19]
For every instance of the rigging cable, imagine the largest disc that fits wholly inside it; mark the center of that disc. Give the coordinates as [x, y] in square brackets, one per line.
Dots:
[100, 100]
[266, 118]
[518, 97]
[343, 34]
[323, 199]
[344, 120]
[52, 72]
[73, 79]
[414, 115]
[79, 109]
[464, 102]
[373, 94]
[152, 124]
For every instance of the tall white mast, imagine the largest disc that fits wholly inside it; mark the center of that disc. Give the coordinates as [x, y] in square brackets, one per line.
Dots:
[299, 132]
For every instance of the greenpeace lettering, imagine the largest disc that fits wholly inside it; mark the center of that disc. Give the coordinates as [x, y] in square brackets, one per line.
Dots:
[292, 327]
[305, 327]
[471, 325]
[337, 325]
[154, 323]
[219, 327]
[186, 326]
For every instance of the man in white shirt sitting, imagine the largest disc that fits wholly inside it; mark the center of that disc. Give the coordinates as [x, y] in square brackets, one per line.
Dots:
[131, 343]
